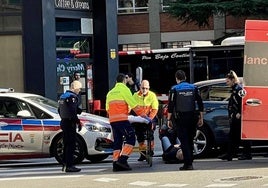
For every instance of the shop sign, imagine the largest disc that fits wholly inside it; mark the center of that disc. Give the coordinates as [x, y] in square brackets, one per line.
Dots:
[72, 4]
[69, 68]
[163, 56]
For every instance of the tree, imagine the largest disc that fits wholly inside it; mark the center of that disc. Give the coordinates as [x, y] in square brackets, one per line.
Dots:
[199, 11]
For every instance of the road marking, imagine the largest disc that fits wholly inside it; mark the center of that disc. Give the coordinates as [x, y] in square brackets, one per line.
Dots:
[173, 185]
[222, 185]
[106, 179]
[142, 183]
[28, 172]
[40, 177]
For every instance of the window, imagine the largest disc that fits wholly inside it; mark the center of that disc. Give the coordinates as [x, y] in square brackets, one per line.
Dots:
[68, 25]
[9, 108]
[10, 23]
[39, 114]
[68, 46]
[10, 15]
[132, 6]
[165, 4]
[176, 44]
[216, 92]
[131, 47]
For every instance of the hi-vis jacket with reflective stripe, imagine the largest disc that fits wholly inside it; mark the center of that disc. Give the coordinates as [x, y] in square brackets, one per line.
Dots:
[149, 103]
[119, 102]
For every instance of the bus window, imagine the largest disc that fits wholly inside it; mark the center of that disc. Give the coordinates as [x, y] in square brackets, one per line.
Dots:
[199, 63]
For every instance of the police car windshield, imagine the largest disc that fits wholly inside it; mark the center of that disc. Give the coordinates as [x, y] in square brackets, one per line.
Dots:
[49, 104]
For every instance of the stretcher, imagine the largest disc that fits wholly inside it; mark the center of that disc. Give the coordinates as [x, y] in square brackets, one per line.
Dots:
[148, 137]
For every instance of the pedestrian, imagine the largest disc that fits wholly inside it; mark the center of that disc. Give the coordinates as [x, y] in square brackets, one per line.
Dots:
[148, 101]
[68, 110]
[119, 102]
[182, 113]
[132, 83]
[77, 77]
[234, 113]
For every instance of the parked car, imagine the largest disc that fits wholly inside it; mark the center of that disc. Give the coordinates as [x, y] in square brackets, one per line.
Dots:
[214, 133]
[30, 127]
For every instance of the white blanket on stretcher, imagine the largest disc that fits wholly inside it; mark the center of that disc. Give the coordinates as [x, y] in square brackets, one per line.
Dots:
[137, 119]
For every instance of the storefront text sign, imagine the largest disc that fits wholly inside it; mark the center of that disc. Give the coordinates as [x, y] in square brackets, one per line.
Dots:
[72, 4]
[68, 68]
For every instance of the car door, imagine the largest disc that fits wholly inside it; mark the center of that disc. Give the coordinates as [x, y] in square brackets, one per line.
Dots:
[18, 136]
[255, 101]
[215, 98]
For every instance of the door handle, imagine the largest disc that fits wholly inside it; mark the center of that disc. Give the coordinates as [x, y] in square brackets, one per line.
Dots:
[253, 102]
[209, 109]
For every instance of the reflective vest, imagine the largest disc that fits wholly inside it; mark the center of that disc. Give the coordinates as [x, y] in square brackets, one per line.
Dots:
[119, 102]
[149, 103]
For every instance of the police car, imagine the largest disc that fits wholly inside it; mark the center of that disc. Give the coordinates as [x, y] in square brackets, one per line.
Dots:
[30, 128]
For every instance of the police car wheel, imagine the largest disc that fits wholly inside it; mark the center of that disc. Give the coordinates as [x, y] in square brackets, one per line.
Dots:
[202, 142]
[79, 153]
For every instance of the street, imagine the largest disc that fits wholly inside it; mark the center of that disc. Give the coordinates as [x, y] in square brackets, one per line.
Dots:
[208, 173]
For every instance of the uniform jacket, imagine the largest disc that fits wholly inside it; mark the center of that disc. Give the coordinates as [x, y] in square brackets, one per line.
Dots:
[119, 102]
[185, 103]
[68, 105]
[148, 102]
[235, 101]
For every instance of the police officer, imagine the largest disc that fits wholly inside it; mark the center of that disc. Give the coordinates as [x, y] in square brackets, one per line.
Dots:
[119, 102]
[234, 111]
[181, 109]
[68, 110]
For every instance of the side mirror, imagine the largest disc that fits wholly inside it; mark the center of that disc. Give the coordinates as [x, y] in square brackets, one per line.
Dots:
[24, 114]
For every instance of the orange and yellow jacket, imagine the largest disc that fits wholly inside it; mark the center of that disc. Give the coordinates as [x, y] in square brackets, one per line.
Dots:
[119, 102]
[149, 103]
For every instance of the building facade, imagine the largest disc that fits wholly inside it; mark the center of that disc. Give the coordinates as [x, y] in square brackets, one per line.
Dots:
[144, 24]
[41, 37]
[39, 40]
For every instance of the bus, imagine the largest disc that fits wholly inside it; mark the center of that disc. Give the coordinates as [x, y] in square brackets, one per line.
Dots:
[199, 62]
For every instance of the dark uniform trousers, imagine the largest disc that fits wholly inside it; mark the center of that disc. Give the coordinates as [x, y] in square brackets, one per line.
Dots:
[235, 139]
[123, 130]
[69, 140]
[186, 130]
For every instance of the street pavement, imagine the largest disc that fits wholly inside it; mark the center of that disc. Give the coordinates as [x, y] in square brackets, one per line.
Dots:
[209, 172]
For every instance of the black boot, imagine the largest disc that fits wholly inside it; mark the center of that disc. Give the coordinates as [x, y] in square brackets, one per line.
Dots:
[117, 168]
[225, 157]
[122, 162]
[245, 157]
[70, 169]
[142, 156]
